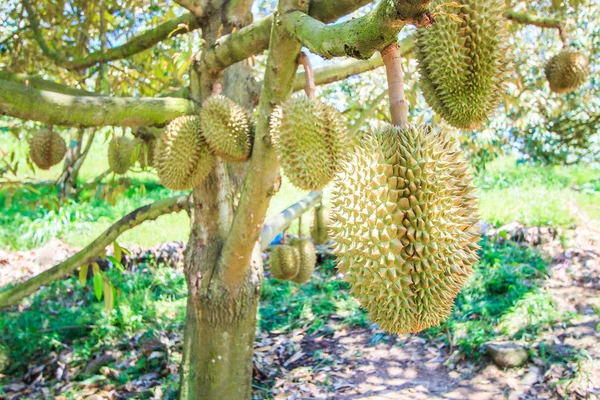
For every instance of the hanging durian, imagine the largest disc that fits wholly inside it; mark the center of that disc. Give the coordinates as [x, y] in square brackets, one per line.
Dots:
[46, 148]
[226, 127]
[285, 262]
[183, 159]
[318, 230]
[120, 154]
[461, 63]
[308, 259]
[310, 137]
[567, 71]
[403, 218]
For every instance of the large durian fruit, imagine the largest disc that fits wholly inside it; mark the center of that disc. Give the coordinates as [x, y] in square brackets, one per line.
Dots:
[182, 158]
[120, 154]
[311, 140]
[404, 223]
[226, 128]
[46, 148]
[462, 63]
[318, 230]
[285, 262]
[567, 71]
[308, 259]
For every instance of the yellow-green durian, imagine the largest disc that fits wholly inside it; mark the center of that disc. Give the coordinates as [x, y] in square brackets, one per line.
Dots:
[285, 262]
[183, 159]
[308, 259]
[311, 140]
[318, 230]
[120, 154]
[226, 128]
[46, 148]
[567, 71]
[461, 62]
[403, 219]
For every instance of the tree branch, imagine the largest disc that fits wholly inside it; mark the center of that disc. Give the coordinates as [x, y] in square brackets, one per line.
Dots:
[254, 38]
[366, 112]
[528, 19]
[283, 220]
[142, 214]
[361, 37]
[177, 26]
[263, 179]
[196, 7]
[86, 111]
[37, 82]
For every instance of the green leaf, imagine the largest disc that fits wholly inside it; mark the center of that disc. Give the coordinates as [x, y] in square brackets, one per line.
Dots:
[83, 271]
[109, 300]
[98, 285]
[116, 263]
[117, 251]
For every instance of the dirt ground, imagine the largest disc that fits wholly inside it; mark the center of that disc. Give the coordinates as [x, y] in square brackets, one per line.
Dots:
[367, 364]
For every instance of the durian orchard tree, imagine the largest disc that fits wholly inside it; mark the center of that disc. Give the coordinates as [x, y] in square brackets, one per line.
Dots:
[403, 213]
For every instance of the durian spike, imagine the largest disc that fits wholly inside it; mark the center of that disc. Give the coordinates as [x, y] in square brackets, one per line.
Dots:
[309, 87]
[392, 59]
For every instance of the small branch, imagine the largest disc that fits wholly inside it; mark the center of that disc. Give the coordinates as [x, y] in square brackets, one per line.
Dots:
[283, 220]
[36, 82]
[528, 19]
[366, 112]
[95, 182]
[13, 33]
[142, 214]
[360, 37]
[309, 87]
[392, 59]
[59, 109]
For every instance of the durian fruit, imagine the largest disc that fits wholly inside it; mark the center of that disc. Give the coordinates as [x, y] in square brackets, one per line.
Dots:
[47, 148]
[226, 128]
[318, 230]
[120, 154]
[567, 71]
[404, 225]
[311, 140]
[182, 158]
[146, 153]
[462, 63]
[284, 261]
[308, 259]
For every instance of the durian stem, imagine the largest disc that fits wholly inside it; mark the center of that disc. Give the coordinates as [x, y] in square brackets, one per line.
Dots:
[392, 59]
[217, 88]
[309, 76]
[300, 226]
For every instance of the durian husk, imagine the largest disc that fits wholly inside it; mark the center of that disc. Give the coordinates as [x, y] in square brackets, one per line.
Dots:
[46, 148]
[308, 259]
[318, 230]
[462, 64]
[285, 262]
[404, 222]
[226, 128]
[120, 154]
[311, 141]
[567, 71]
[183, 159]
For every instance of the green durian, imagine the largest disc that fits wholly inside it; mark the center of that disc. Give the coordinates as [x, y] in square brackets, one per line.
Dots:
[311, 140]
[285, 262]
[308, 259]
[120, 154]
[183, 159]
[226, 128]
[404, 223]
[318, 230]
[462, 63]
[46, 148]
[567, 71]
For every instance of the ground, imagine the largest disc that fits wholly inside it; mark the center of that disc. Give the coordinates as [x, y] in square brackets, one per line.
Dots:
[537, 285]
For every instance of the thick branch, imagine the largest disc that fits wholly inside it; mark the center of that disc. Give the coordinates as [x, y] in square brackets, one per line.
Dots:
[37, 82]
[142, 214]
[361, 37]
[283, 220]
[528, 19]
[85, 111]
[254, 38]
[196, 7]
[146, 40]
[263, 179]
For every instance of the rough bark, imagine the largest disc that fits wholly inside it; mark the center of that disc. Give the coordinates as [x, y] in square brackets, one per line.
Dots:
[131, 220]
[86, 111]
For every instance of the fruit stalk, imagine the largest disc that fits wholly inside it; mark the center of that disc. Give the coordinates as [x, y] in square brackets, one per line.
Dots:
[392, 59]
[309, 75]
